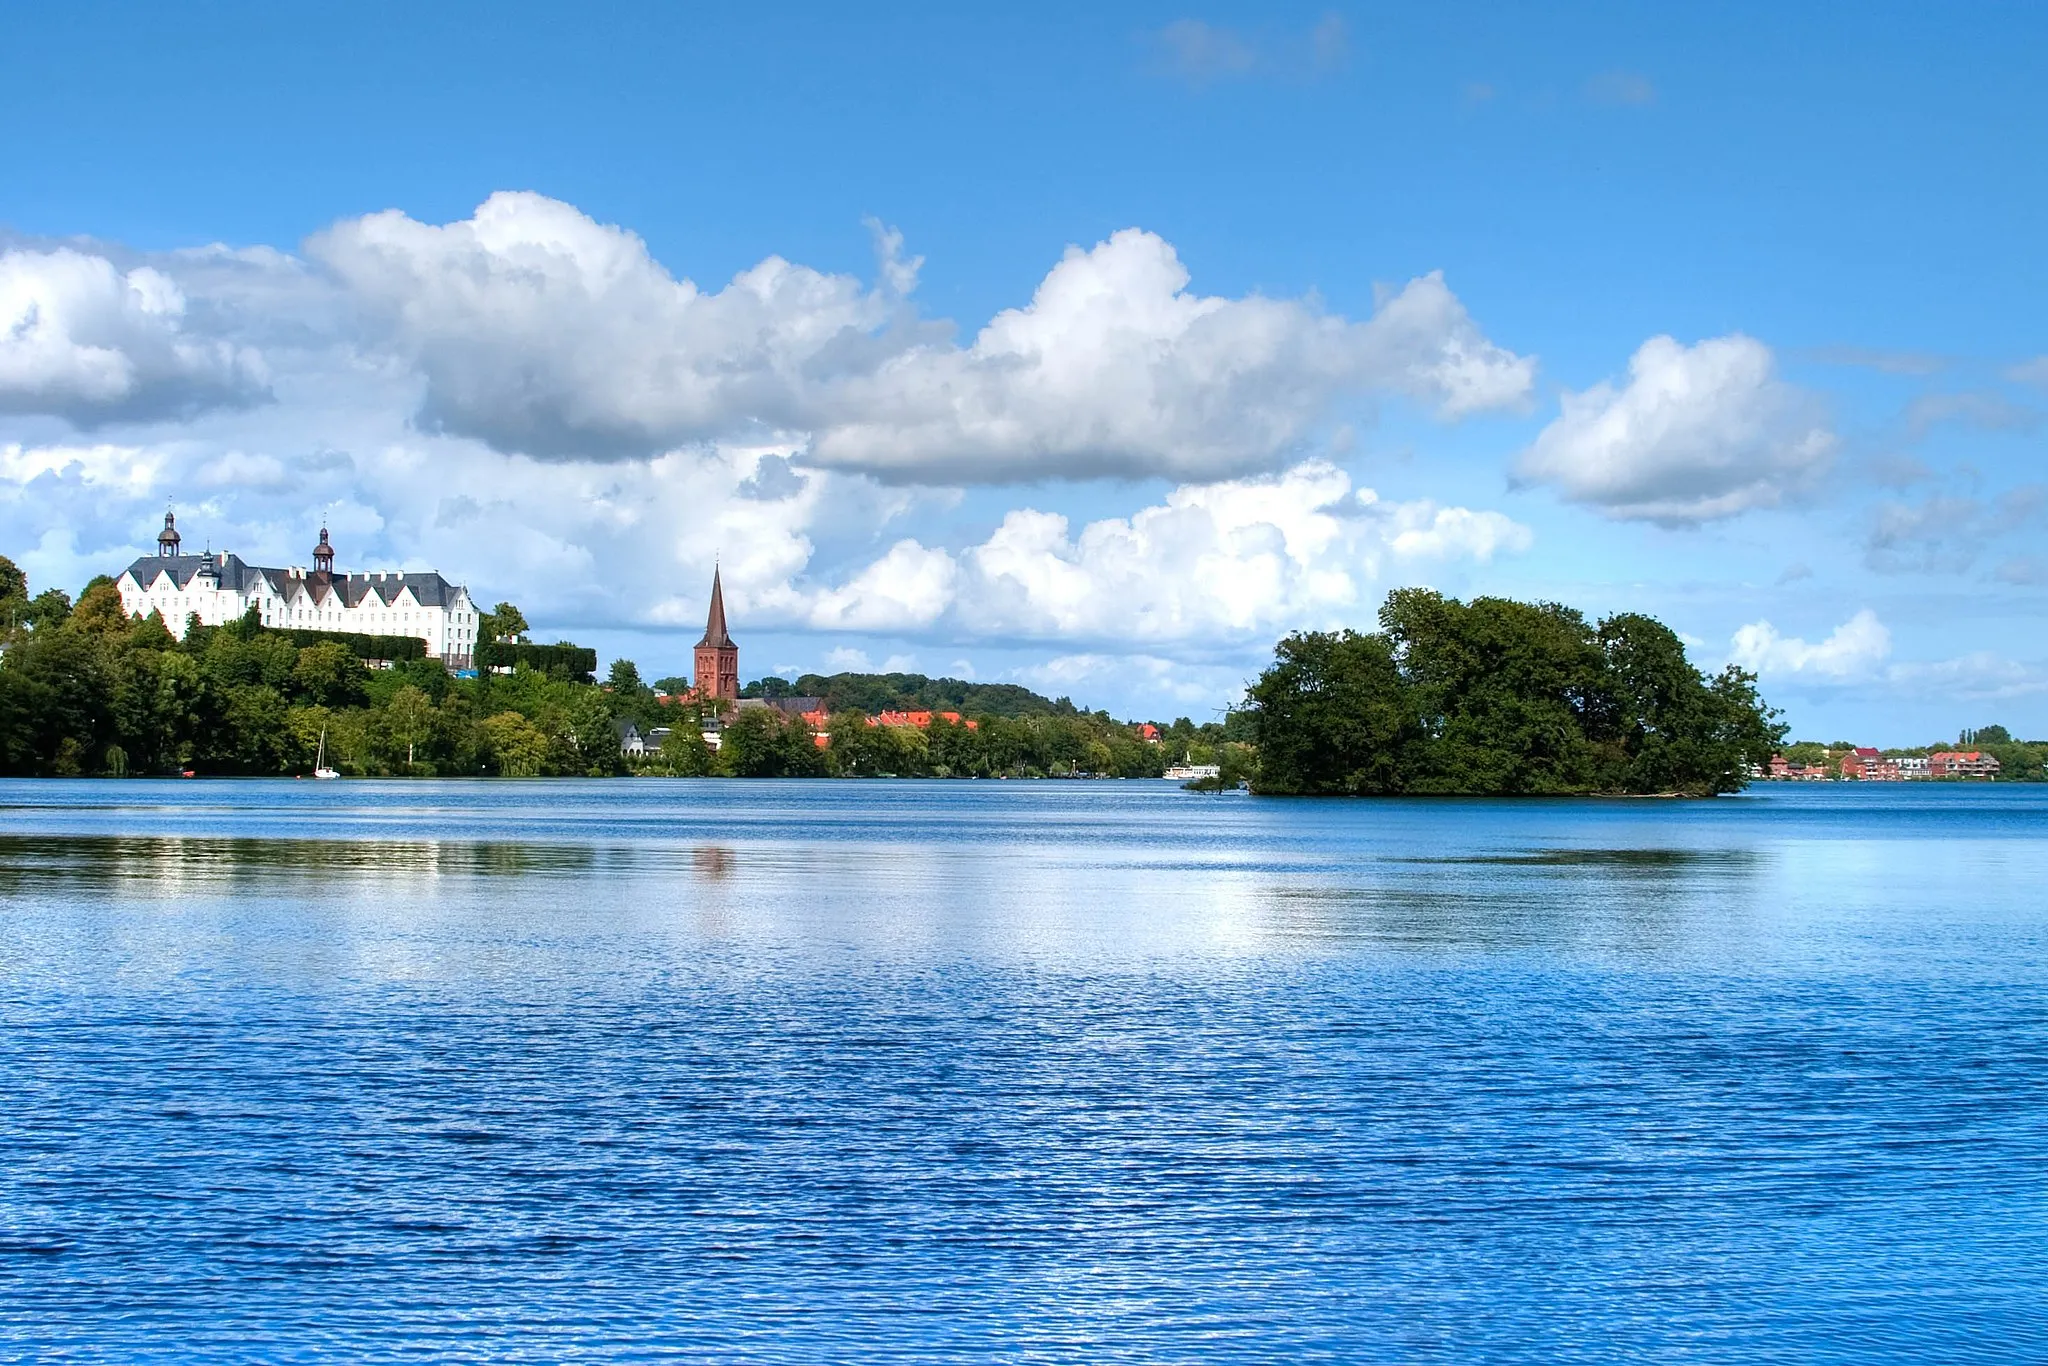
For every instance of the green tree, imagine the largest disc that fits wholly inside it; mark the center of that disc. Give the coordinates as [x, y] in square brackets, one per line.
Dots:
[1335, 716]
[255, 735]
[762, 743]
[99, 610]
[328, 674]
[955, 749]
[502, 622]
[684, 753]
[1502, 697]
[56, 703]
[515, 747]
[49, 608]
[625, 678]
[1666, 728]
[410, 715]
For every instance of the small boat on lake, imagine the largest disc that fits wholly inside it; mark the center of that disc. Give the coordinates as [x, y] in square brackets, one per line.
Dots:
[320, 768]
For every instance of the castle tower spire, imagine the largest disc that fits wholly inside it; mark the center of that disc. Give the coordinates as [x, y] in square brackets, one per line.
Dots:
[323, 554]
[167, 539]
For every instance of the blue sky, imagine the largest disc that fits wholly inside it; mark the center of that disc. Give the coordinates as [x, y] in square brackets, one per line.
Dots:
[1831, 470]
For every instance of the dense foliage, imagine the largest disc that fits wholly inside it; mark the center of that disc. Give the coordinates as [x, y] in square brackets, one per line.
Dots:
[570, 663]
[761, 742]
[360, 645]
[88, 690]
[1502, 697]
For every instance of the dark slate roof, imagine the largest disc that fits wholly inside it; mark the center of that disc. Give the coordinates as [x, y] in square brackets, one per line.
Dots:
[233, 573]
[428, 590]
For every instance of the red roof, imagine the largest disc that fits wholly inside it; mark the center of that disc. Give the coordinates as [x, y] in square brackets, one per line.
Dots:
[922, 720]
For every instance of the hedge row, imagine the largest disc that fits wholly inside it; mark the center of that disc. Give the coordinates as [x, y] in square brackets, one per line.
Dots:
[576, 663]
[394, 648]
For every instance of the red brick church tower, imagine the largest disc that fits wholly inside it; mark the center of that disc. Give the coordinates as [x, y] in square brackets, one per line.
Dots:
[718, 659]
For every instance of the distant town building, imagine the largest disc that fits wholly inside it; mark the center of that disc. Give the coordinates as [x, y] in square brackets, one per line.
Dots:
[1869, 765]
[811, 709]
[219, 588]
[718, 659]
[635, 743]
[1912, 767]
[1961, 764]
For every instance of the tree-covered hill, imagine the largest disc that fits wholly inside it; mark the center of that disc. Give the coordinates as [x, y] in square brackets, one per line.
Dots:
[873, 693]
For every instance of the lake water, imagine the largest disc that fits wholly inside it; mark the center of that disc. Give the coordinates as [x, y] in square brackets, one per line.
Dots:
[872, 1072]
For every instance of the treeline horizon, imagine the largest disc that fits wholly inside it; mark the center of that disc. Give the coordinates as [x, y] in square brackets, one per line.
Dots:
[1490, 697]
[87, 690]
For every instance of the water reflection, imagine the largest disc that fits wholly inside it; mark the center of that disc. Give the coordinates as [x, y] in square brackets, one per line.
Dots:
[1650, 860]
[1029, 902]
[713, 863]
[26, 860]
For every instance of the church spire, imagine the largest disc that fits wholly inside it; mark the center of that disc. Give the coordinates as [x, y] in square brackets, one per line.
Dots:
[714, 625]
[718, 659]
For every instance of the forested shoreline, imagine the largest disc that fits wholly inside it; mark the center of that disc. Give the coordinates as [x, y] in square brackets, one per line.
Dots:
[1491, 697]
[86, 690]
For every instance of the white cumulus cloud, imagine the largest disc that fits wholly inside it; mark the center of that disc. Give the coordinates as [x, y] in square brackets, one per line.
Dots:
[908, 588]
[1226, 561]
[1852, 652]
[1698, 432]
[84, 340]
[544, 332]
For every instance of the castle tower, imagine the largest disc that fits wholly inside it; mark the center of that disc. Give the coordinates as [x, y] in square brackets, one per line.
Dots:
[323, 555]
[718, 659]
[167, 539]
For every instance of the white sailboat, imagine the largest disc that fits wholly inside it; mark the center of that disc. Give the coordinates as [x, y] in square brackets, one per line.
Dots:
[320, 768]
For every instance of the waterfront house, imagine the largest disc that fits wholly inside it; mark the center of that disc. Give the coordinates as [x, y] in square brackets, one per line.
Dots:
[1869, 765]
[1950, 763]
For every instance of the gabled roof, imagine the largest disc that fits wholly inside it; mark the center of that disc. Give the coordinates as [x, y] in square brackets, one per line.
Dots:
[428, 590]
[234, 575]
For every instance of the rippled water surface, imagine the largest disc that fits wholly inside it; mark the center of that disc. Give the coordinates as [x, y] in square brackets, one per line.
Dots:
[1019, 1072]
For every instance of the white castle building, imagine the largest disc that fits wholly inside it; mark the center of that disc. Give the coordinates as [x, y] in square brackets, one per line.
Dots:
[220, 588]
